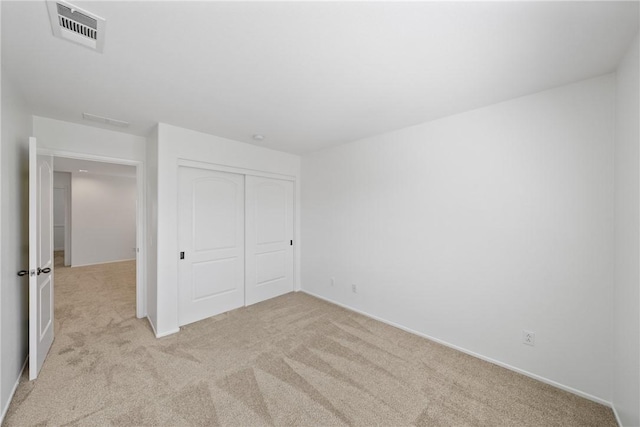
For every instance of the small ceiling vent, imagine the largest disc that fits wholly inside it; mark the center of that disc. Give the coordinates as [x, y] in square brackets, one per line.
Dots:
[105, 120]
[77, 25]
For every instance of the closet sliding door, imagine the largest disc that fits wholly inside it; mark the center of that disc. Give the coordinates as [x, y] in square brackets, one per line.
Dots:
[211, 237]
[269, 238]
[235, 236]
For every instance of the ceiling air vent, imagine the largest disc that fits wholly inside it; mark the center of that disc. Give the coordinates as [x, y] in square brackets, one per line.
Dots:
[77, 25]
[105, 120]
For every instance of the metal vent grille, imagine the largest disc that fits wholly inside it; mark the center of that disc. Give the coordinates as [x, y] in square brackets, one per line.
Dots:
[77, 25]
[77, 22]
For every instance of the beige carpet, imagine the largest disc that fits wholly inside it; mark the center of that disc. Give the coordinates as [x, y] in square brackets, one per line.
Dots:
[290, 361]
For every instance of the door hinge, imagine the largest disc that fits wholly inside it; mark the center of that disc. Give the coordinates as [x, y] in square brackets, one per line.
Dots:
[181, 255]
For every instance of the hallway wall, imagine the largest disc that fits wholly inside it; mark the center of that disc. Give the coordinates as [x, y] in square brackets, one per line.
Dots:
[103, 209]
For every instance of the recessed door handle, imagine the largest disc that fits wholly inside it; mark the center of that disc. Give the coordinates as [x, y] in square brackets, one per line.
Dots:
[44, 270]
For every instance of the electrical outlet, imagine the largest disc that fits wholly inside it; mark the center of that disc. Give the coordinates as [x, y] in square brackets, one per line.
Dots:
[353, 288]
[333, 281]
[528, 338]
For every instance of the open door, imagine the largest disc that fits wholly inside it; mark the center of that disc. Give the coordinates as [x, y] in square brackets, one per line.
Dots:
[40, 258]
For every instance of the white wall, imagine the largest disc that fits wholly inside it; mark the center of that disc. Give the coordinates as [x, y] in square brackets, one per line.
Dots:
[176, 144]
[626, 374]
[474, 227]
[103, 209]
[14, 323]
[152, 226]
[73, 138]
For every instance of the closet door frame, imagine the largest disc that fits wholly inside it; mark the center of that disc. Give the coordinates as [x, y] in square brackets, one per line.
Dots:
[263, 174]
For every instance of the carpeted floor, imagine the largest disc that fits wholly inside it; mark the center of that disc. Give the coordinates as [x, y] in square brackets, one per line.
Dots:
[290, 361]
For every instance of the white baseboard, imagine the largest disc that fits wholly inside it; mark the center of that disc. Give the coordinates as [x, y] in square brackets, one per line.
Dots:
[617, 416]
[163, 334]
[167, 333]
[472, 353]
[13, 392]
[106, 262]
[153, 327]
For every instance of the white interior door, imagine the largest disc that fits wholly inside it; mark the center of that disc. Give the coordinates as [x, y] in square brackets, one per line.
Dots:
[40, 258]
[211, 239]
[269, 242]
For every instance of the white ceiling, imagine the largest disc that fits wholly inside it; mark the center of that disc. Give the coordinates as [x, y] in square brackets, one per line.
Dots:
[307, 75]
[64, 164]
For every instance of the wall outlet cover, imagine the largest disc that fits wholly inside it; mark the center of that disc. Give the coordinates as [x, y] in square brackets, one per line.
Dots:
[528, 338]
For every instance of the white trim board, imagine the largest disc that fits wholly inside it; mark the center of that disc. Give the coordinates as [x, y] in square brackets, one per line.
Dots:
[613, 407]
[83, 156]
[13, 391]
[164, 334]
[233, 169]
[470, 353]
[167, 333]
[153, 327]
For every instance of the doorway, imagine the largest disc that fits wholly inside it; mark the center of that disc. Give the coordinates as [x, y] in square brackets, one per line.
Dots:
[62, 219]
[76, 164]
[105, 226]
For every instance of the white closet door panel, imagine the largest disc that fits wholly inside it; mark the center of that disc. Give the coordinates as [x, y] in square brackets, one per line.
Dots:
[211, 236]
[269, 228]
